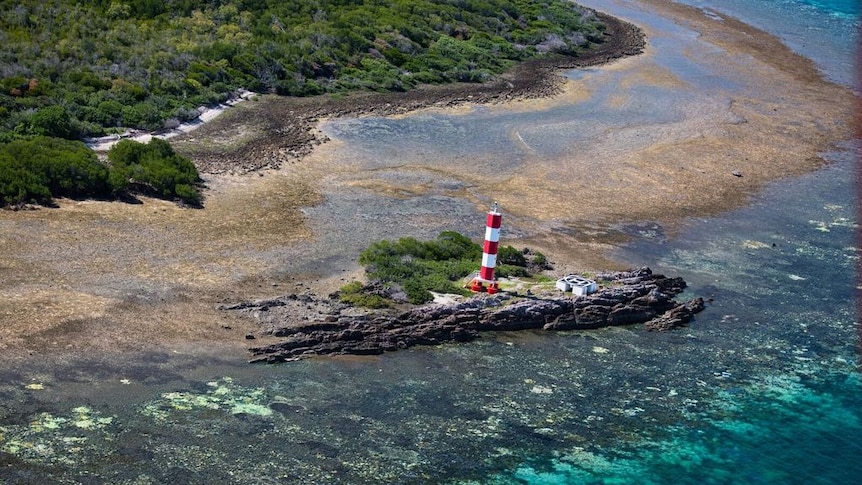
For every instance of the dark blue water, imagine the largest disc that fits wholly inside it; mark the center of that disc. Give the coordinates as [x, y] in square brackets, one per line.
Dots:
[764, 387]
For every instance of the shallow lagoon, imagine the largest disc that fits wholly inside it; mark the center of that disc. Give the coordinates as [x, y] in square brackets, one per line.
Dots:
[763, 387]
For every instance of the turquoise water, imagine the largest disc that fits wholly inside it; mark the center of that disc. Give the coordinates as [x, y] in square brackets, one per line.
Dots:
[826, 31]
[764, 387]
[785, 403]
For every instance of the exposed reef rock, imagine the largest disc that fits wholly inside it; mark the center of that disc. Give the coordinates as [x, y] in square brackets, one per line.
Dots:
[318, 326]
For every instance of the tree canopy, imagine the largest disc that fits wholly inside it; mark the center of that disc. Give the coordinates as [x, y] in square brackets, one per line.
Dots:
[36, 169]
[71, 69]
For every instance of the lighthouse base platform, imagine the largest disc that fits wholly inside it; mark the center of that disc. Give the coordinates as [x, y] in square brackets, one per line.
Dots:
[483, 286]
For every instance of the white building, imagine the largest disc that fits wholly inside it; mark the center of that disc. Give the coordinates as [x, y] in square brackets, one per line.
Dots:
[577, 285]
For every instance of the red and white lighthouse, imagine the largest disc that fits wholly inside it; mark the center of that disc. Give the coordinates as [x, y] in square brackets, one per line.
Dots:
[485, 281]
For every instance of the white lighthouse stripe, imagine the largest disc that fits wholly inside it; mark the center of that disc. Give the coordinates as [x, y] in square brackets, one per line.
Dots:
[489, 260]
[492, 234]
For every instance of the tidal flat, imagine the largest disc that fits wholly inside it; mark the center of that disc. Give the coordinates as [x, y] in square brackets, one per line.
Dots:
[118, 367]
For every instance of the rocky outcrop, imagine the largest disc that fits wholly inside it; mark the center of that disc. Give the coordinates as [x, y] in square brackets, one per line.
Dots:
[313, 326]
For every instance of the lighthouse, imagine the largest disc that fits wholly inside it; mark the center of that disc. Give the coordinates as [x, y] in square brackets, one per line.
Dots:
[485, 281]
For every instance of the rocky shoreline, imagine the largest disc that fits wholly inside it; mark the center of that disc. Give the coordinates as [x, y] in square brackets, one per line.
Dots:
[312, 326]
[285, 126]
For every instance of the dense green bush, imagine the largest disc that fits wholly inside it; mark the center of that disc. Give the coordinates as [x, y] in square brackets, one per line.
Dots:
[420, 267]
[510, 255]
[540, 260]
[153, 168]
[35, 169]
[71, 69]
[18, 184]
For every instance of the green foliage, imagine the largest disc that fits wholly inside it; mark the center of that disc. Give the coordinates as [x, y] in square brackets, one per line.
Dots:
[511, 256]
[18, 184]
[352, 293]
[511, 271]
[155, 168]
[351, 288]
[35, 169]
[420, 267]
[99, 64]
[53, 121]
[540, 260]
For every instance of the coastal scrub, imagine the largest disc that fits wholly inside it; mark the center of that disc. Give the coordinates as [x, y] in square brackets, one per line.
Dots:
[420, 267]
[40, 168]
[73, 69]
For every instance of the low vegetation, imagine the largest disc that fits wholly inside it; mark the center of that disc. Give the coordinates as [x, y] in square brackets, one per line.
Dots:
[153, 169]
[37, 169]
[72, 69]
[414, 268]
[356, 294]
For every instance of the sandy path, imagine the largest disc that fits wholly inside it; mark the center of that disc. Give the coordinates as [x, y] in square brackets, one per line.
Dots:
[96, 276]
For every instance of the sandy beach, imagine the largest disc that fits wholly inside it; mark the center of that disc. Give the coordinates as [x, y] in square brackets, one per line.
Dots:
[106, 277]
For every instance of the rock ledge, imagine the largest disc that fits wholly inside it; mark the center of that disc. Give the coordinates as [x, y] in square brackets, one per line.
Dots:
[313, 326]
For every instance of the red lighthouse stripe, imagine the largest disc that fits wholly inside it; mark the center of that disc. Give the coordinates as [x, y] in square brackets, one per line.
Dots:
[486, 274]
[489, 251]
[490, 247]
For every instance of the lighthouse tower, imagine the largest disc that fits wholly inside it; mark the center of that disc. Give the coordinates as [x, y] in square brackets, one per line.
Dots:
[485, 281]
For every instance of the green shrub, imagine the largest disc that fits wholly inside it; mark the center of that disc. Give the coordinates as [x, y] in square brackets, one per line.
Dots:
[509, 271]
[352, 293]
[20, 185]
[155, 168]
[38, 168]
[35, 169]
[420, 267]
[53, 121]
[351, 288]
[511, 256]
[366, 300]
[540, 260]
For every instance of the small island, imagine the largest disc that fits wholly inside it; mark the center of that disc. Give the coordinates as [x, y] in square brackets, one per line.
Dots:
[393, 312]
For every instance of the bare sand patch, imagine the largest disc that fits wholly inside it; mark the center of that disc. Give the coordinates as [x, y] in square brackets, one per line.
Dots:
[112, 275]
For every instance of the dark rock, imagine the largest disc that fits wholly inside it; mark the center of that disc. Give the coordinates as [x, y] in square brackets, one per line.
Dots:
[592, 316]
[285, 408]
[676, 317]
[629, 297]
[625, 315]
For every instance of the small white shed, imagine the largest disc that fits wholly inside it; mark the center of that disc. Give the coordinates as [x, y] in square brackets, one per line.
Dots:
[578, 285]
